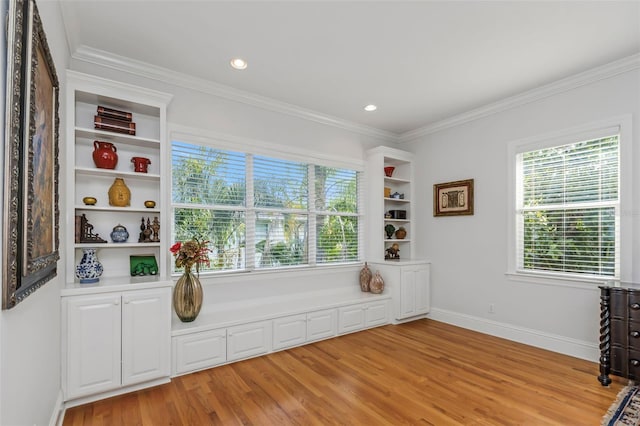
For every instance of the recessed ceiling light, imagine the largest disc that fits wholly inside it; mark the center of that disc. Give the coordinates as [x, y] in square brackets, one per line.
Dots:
[238, 63]
[370, 108]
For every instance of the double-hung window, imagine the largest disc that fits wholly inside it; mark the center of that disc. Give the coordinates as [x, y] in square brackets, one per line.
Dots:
[263, 212]
[567, 215]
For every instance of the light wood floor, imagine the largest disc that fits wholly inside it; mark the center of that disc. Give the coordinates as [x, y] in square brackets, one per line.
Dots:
[423, 372]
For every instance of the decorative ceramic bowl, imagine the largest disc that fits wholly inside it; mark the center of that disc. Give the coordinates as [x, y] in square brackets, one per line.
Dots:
[388, 171]
[89, 201]
[149, 204]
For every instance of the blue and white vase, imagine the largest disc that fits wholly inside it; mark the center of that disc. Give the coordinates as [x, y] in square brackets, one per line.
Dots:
[89, 269]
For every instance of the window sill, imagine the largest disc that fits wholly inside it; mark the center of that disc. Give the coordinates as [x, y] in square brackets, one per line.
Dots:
[558, 280]
[302, 270]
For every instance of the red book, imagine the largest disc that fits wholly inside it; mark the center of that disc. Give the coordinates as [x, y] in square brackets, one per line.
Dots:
[114, 113]
[112, 125]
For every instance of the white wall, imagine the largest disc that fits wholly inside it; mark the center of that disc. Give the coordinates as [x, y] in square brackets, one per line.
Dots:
[469, 252]
[30, 332]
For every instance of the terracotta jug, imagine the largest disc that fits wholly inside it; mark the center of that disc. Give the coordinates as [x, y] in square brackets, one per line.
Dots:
[119, 194]
[105, 155]
[140, 164]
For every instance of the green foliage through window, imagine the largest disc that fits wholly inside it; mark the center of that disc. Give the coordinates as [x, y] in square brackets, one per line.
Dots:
[268, 228]
[568, 208]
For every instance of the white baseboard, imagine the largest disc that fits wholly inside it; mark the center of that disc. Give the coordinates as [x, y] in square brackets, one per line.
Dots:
[553, 342]
[57, 415]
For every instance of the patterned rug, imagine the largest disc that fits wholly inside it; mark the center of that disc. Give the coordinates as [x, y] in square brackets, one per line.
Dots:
[626, 409]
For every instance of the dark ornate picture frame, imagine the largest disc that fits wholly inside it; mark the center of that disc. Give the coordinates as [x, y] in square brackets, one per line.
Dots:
[453, 198]
[31, 213]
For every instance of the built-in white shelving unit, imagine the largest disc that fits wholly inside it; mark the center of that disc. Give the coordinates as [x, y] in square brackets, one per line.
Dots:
[84, 94]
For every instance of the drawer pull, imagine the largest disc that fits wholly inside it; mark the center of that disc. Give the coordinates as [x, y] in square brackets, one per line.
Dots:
[635, 306]
[635, 362]
[635, 334]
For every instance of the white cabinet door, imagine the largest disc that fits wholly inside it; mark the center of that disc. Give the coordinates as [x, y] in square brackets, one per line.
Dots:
[93, 344]
[200, 350]
[407, 292]
[413, 292]
[146, 335]
[322, 324]
[423, 302]
[376, 313]
[350, 318]
[289, 331]
[248, 340]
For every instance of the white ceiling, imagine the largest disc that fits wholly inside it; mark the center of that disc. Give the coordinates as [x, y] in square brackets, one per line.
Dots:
[419, 61]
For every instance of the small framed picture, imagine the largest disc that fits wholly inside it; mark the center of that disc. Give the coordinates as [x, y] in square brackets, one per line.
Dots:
[453, 198]
[143, 264]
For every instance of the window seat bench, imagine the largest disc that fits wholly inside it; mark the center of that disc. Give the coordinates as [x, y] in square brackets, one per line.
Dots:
[228, 332]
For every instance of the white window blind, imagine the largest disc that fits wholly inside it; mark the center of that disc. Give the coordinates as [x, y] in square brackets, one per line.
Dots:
[262, 212]
[567, 208]
[208, 194]
[336, 202]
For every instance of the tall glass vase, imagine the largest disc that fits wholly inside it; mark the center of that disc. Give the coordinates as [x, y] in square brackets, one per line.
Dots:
[187, 296]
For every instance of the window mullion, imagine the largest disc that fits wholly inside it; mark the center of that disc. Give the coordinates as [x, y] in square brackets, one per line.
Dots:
[312, 218]
[250, 216]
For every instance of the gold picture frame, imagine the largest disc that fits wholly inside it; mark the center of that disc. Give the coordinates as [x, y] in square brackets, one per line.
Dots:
[453, 198]
[31, 212]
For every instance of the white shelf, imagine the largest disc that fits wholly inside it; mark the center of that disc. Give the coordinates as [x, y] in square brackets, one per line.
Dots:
[88, 171]
[396, 180]
[397, 200]
[116, 209]
[395, 240]
[108, 245]
[397, 220]
[83, 132]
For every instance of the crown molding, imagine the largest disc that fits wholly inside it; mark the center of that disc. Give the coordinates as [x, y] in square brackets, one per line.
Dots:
[146, 70]
[587, 77]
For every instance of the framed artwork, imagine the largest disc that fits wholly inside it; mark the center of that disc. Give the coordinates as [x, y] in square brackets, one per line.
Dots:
[453, 198]
[31, 213]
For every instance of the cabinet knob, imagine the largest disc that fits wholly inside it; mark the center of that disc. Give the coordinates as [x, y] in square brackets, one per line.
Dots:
[127, 302]
[635, 306]
[116, 302]
[635, 333]
[635, 362]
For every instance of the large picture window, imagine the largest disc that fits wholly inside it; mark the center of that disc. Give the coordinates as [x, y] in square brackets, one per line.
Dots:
[261, 212]
[567, 208]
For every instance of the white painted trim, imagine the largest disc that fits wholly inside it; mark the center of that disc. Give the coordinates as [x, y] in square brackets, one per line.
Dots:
[552, 342]
[242, 144]
[609, 70]
[146, 70]
[57, 415]
[559, 137]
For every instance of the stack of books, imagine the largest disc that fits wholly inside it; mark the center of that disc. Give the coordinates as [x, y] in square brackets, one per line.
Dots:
[114, 120]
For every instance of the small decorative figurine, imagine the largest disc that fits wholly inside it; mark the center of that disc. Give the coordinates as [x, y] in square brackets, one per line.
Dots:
[155, 227]
[84, 231]
[146, 231]
[392, 252]
[90, 201]
[149, 204]
[119, 194]
[389, 229]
